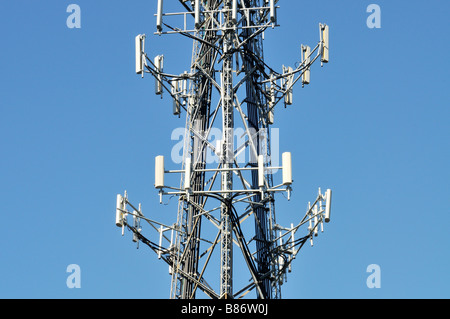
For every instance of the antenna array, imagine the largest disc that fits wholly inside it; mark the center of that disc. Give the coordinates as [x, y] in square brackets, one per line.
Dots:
[218, 198]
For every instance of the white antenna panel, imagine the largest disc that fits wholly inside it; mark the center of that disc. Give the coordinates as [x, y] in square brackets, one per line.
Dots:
[234, 10]
[287, 168]
[176, 100]
[306, 60]
[159, 65]
[261, 170]
[159, 14]
[273, 14]
[159, 172]
[175, 86]
[187, 175]
[219, 146]
[197, 14]
[139, 43]
[289, 94]
[119, 214]
[327, 205]
[176, 109]
[316, 221]
[326, 43]
[160, 241]
[136, 225]
[271, 117]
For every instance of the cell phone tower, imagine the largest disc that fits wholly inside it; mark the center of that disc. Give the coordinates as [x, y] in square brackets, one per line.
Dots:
[226, 183]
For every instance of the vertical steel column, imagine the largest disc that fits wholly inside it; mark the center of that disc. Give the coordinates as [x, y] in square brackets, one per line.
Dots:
[227, 160]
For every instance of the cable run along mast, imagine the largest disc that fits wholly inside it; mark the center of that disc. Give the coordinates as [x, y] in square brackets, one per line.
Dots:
[227, 184]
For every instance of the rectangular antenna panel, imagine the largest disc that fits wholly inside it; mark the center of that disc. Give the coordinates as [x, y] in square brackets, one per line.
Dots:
[271, 117]
[187, 175]
[139, 48]
[234, 9]
[326, 43]
[306, 59]
[327, 205]
[261, 170]
[176, 98]
[316, 221]
[289, 94]
[197, 14]
[159, 14]
[159, 172]
[136, 226]
[159, 65]
[287, 169]
[119, 214]
[176, 108]
[273, 14]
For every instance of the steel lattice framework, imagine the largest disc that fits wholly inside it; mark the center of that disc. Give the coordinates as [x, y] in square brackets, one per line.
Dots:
[227, 184]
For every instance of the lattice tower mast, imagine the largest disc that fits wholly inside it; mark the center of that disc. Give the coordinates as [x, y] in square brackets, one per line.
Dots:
[227, 58]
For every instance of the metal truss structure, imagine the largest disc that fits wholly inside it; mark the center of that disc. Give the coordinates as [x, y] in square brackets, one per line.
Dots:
[227, 184]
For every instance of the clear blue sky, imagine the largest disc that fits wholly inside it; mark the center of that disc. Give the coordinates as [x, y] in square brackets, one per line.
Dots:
[77, 127]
